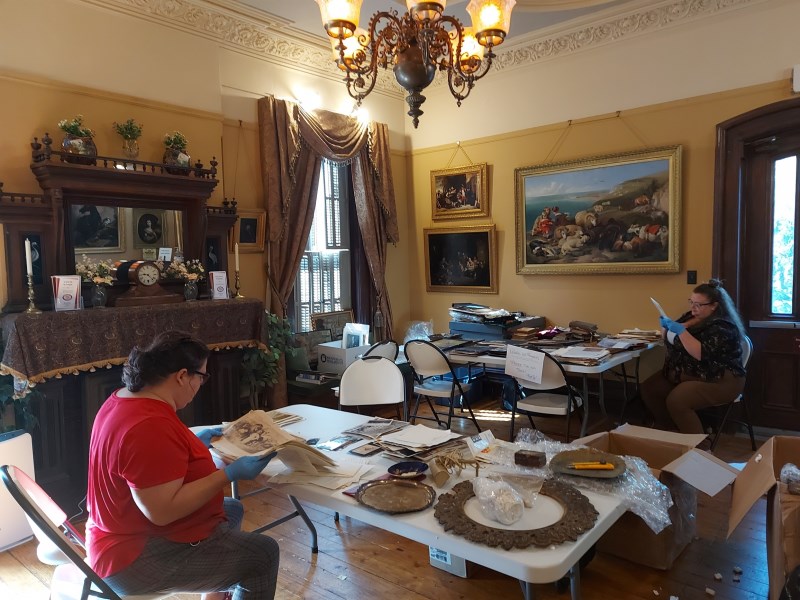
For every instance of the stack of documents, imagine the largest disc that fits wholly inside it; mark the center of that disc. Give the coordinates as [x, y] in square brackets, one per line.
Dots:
[619, 344]
[581, 355]
[648, 335]
[282, 419]
[415, 439]
[345, 473]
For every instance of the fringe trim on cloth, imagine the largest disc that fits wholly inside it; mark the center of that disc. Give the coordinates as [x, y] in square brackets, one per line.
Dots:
[107, 363]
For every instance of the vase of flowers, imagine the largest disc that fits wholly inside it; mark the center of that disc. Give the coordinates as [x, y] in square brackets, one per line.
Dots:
[99, 275]
[130, 131]
[78, 144]
[175, 153]
[191, 272]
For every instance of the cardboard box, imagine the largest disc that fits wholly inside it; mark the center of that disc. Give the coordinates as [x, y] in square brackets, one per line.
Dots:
[335, 359]
[449, 562]
[761, 475]
[676, 463]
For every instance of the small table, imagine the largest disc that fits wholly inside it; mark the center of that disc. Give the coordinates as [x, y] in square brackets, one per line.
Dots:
[531, 565]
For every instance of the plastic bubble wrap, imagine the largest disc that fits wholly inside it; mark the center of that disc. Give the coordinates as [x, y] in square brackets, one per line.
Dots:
[418, 330]
[498, 500]
[790, 475]
[638, 490]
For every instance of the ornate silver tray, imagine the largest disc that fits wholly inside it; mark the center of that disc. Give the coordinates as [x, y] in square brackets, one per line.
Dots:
[396, 496]
[561, 462]
[579, 516]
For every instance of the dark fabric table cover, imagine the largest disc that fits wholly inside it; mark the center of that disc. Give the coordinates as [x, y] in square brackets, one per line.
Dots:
[51, 344]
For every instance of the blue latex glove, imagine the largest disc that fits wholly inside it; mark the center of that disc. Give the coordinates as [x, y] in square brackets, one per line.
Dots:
[205, 435]
[671, 325]
[247, 467]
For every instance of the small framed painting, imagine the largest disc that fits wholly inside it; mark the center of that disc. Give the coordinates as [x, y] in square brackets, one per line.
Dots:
[96, 229]
[461, 259]
[148, 227]
[250, 230]
[335, 321]
[460, 193]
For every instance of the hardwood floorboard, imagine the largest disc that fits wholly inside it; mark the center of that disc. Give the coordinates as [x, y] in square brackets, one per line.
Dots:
[359, 561]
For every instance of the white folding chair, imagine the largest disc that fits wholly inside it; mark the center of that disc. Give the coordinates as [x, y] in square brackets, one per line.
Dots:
[73, 578]
[430, 364]
[552, 396]
[387, 349]
[373, 380]
[747, 351]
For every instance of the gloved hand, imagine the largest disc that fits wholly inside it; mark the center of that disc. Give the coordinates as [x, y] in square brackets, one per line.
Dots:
[205, 435]
[671, 325]
[247, 467]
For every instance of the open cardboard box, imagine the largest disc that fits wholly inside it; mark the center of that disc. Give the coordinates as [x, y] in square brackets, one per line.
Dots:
[761, 475]
[674, 460]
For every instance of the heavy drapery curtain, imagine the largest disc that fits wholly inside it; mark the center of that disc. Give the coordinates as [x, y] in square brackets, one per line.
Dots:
[293, 144]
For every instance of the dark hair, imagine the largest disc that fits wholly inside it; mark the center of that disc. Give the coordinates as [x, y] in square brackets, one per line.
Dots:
[168, 353]
[714, 291]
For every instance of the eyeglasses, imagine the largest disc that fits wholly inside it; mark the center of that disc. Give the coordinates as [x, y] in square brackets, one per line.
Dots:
[205, 376]
[697, 304]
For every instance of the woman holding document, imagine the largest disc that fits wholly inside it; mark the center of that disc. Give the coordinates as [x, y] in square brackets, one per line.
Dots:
[703, 366]
[158, 520]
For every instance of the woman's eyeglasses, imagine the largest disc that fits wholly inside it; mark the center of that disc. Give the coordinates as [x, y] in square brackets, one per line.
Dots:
[205, 376]
[697, 304]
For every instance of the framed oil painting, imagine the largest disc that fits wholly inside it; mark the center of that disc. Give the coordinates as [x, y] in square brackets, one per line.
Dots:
[607, 214]
[149, 227]
[250, 230]
[461, 259]
[335, 321]
[460, 193]
[96, 229]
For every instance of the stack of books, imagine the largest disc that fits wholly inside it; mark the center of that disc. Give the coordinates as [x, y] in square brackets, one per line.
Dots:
[316, 377]
[524, 334]
[582, 355]
[648, 335]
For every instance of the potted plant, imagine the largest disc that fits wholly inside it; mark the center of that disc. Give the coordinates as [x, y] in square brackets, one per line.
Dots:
[78, 144]
[130, 131]
[260, 366]
[15, 401]
[99, 275]
[175, 152]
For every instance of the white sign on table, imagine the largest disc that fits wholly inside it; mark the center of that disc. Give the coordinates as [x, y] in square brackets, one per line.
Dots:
[219, 285]
[525, 364]
[66, 292]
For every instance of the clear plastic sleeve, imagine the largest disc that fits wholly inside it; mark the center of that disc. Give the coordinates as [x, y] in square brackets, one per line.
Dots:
[498, 500]
[418, 330]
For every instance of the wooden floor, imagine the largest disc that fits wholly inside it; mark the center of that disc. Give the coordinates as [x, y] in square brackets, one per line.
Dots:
[359, 561]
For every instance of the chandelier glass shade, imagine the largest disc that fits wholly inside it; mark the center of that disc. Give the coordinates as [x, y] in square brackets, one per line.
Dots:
[416, 45]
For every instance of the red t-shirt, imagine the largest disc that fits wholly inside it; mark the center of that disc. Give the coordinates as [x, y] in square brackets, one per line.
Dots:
[140, 443]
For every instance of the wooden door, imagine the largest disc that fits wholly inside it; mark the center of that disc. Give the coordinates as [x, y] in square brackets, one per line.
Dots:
[757, 251]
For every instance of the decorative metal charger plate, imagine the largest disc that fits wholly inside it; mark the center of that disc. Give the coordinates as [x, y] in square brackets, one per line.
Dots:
[561, 462]
[396, 496]
[579, 516]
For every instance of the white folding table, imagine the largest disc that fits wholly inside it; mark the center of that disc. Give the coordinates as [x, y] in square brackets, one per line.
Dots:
[530, 566]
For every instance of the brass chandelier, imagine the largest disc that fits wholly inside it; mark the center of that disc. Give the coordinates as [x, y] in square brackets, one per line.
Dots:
[416, 45]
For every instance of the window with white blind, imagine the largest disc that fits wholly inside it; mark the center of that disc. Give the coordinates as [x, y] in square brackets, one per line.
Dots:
[323, 281]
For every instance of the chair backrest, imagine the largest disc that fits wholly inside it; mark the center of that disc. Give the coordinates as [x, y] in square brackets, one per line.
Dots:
[747, 350]
[426, 359]
[372, 380]
[553, 375]
[47, 518]
[387, 349]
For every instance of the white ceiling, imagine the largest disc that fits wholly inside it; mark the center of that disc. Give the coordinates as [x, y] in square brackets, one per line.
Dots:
[304, 14]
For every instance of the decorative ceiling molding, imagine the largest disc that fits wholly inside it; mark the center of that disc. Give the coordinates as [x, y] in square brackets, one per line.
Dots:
[272, 38]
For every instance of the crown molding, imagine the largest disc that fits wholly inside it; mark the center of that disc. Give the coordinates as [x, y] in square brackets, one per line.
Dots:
[271, 38]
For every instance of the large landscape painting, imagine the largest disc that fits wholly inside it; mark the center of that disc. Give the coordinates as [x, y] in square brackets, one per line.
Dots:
[613, 214]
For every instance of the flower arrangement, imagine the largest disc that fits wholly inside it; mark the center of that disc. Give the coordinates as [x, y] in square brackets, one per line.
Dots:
[129, 130]
[176, 141]
[75, 127]
[190, 270]
[98, 273]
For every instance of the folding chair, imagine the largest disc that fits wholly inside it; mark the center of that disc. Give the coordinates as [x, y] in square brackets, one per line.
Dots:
[73, 578]
[387, 349]
[373, 380]
[430, 365]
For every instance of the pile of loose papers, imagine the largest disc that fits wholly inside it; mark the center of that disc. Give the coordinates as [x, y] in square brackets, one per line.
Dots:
[581, 355]
[647, 335]
[415, 439]
[344, 473]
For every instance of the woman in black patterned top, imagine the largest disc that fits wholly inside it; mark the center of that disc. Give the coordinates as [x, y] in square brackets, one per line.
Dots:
[703, 366]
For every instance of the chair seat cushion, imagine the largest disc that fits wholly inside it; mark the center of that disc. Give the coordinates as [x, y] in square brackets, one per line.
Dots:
[547, 403]
[439, 388]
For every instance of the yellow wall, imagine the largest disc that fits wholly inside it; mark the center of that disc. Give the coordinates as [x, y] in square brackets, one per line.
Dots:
[612, 301]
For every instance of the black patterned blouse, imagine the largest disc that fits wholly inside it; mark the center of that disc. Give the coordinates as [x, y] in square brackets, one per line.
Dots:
[721, 351]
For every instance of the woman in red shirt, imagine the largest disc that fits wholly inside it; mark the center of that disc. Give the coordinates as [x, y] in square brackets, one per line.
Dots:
[158, 519]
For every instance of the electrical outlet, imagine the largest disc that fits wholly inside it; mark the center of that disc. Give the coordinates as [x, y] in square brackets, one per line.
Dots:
[691, 277]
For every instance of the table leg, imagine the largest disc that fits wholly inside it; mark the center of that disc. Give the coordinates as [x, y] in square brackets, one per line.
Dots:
[299, 512]
[575, 581]
[585, 405]
[601, 398]
[527, 590]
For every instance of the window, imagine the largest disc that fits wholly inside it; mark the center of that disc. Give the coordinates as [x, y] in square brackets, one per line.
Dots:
[783, 235]
[323, 281]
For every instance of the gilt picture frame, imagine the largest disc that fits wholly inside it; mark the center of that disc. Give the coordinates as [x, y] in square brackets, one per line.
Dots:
[461, 259]
[460, 192]
[97, 229]
[619, 213]
[250, 230]
[335, 321]
[149, 227]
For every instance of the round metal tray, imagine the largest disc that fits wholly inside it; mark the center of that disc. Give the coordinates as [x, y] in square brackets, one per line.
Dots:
[396, 496]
